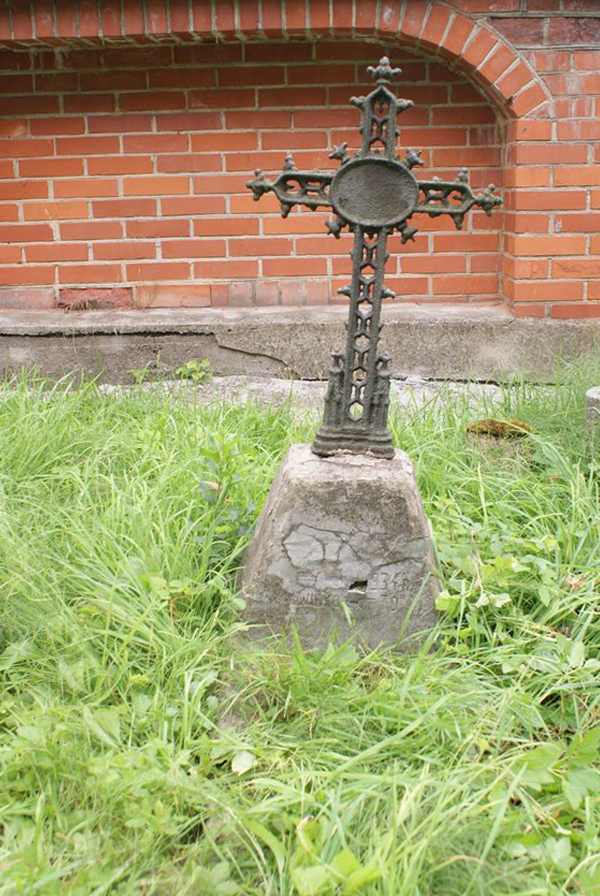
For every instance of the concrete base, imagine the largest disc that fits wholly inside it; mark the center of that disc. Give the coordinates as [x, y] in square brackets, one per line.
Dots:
[592, 410]
[455, 342]
[341, 547]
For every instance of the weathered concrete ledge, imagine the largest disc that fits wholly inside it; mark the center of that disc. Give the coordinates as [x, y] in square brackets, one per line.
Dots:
[484, 343]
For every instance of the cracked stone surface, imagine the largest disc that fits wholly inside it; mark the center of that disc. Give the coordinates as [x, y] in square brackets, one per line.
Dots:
[342, 546]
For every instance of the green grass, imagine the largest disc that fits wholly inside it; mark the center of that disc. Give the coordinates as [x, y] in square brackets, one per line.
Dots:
[143, 751]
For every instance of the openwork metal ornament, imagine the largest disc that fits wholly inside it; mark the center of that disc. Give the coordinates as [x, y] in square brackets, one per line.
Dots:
[373, 193]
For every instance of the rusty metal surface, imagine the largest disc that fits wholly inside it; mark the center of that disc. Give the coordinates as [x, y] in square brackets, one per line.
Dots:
[373, 194]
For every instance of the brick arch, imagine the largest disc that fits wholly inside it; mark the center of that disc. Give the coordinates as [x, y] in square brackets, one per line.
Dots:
[476, 49]
[433, 27]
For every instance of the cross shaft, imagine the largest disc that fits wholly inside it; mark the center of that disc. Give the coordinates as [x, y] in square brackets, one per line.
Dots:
[373, 194]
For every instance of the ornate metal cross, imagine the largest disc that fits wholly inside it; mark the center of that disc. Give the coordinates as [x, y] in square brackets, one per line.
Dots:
[374, 193]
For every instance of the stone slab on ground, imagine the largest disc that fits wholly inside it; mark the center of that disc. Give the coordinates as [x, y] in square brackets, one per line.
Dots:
[455, 342]
[342, 546]
[306, 395]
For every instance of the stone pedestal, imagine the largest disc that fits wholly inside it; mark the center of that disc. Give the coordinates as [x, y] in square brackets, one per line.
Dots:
[592, 412]
[342, 545]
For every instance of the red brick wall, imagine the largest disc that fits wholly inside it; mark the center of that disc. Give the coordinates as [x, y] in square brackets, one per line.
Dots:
[122, 168]
[128, 168]
[552, 261]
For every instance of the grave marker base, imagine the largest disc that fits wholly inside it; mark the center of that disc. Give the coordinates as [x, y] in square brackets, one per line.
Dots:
[341, 547]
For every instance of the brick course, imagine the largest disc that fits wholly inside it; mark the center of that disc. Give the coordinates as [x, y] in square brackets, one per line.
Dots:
[129, 128]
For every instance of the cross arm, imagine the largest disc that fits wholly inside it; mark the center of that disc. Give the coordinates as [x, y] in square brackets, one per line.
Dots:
[293, 187]
[454, 198]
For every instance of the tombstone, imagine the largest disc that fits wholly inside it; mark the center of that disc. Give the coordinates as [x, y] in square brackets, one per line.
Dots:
[342, 545]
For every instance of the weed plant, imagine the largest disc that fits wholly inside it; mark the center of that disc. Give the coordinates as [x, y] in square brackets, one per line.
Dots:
[144, 751]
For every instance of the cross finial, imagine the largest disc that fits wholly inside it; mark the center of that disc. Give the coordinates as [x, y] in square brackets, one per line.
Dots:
[383, 73]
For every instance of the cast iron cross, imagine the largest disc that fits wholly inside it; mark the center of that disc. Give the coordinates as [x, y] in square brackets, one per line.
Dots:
[374, 193]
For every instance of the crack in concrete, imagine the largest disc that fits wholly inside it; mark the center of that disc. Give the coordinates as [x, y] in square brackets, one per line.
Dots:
[329, 538]
[254, 354]
[464, 346]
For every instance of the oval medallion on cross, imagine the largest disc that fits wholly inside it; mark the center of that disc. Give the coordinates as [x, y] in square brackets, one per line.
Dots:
[375, 192]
